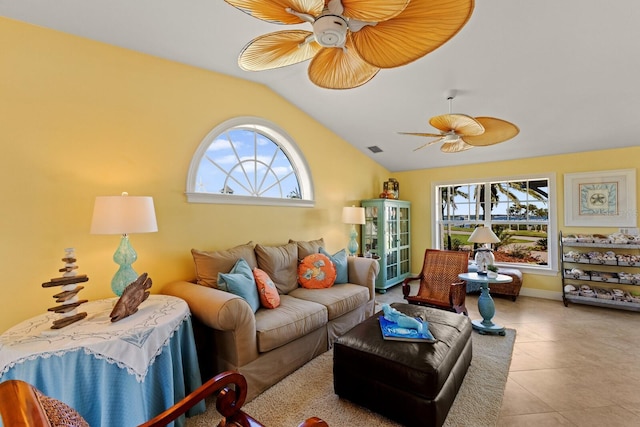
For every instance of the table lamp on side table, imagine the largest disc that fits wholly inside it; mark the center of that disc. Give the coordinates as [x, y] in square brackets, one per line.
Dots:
[353, 215]
[484, 256]
[123, 215]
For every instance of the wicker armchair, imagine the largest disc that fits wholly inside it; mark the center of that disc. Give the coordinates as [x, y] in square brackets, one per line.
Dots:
[440, 286]
[21, 404]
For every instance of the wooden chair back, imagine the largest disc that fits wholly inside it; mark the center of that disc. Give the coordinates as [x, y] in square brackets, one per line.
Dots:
[21, 404]
[439, 270]
[439, 282]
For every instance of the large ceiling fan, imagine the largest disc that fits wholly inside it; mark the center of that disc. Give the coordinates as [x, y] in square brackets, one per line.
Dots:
[460, 132]
[351, 39]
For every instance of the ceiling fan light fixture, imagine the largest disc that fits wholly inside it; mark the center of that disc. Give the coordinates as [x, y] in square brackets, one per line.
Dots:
[451, 137]
[330, 30]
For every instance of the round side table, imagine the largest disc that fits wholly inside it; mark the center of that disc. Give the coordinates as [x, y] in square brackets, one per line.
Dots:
[486, 305]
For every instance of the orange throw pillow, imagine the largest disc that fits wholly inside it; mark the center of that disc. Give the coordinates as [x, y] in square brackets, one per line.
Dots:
[269, 296]
[316, 271]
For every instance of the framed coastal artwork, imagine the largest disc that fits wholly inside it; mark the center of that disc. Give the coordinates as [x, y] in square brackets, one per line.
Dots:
[600, 199]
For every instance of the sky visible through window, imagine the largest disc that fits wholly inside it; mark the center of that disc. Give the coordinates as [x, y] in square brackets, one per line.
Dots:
[243, 161]
[511, 201]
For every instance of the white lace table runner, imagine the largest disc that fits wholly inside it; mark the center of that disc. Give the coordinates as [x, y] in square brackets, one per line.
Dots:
[132, 343]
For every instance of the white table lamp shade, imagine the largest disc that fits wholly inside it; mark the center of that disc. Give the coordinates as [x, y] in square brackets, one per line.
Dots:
[352, 215]
[483, 235]
[123, 215]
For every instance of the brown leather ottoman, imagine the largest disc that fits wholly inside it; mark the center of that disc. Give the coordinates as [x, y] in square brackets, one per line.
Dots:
[412, 383]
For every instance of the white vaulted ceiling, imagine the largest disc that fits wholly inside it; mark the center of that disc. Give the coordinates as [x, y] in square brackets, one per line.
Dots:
[567, 72]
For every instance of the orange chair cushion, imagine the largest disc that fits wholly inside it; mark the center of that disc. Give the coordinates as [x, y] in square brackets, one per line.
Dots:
[316, 271]
[267, 291]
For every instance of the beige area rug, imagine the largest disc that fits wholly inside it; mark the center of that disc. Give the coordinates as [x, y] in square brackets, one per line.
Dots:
[309, 392]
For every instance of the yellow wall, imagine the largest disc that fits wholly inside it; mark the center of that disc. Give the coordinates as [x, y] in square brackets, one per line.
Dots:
[79, 119]
[416, 186]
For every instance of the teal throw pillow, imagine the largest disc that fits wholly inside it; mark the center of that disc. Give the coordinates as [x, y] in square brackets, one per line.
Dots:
[339, 260]
[239, 281]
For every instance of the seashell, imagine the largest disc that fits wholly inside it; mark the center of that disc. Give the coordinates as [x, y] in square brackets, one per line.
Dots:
[576, 272]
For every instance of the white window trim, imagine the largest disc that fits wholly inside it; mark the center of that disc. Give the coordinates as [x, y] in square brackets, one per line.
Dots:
[552, 231]
[278, 136]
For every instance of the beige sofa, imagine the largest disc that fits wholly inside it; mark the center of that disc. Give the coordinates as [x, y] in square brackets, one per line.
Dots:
[269, 344]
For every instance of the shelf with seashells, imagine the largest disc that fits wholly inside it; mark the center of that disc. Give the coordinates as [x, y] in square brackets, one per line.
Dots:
[600, 270]
[68, 296]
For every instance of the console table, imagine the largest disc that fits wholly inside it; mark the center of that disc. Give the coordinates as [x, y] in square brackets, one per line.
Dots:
[486, 306]
[113, 373]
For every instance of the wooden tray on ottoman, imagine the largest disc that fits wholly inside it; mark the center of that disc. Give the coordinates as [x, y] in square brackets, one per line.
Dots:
[412, 383]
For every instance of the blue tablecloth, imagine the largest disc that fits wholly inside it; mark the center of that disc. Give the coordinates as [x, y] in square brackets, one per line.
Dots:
[107, 394]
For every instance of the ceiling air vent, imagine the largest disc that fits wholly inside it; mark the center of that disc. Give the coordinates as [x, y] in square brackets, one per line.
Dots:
[375, 149]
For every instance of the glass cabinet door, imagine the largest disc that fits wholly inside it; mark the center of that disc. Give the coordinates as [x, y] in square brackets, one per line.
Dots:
[370, 233]
[403, 239]
[392, 241]
[386, 237]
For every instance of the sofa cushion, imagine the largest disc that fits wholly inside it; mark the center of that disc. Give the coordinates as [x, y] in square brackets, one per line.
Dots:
[339, 260]
[211, 263]
[308, 247]
[281, 264]
[316, 271]
[267, 291]
[339, 299]
[291, 320]
[239, 281]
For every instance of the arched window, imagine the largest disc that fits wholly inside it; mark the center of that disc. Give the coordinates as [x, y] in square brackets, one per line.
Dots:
[248, 160]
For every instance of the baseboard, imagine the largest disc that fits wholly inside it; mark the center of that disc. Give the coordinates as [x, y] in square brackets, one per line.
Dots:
[539, 293]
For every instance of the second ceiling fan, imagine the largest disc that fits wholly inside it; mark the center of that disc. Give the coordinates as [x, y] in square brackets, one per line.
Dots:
[460, 132]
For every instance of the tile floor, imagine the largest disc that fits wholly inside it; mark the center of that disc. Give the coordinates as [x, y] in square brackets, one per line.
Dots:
[571, 366]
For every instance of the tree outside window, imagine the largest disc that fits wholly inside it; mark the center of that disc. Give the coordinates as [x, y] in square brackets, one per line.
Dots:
[517, 210]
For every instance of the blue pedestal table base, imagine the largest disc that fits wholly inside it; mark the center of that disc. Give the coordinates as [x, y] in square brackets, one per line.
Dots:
[486, 306]
[487, 310]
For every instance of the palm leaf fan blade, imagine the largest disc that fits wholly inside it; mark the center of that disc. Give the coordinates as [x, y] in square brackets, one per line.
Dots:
[423, 26]
[372, 10]
[455, 146]
[426, 144]
[496, 131]
[275, 11]
[277, 49]
[336, 68]
[428, 135]
[460, 123]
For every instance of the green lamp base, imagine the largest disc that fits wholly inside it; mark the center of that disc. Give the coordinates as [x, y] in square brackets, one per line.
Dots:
[353, 243]
[124, 256]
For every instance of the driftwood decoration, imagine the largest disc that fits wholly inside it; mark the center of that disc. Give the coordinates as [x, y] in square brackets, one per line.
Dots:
[132, 296]
[68, 298]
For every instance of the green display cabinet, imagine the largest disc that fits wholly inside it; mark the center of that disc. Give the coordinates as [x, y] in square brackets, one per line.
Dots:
[386, 235]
